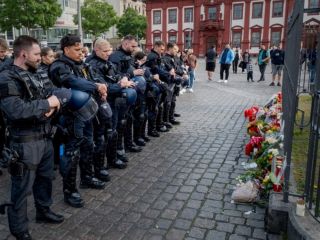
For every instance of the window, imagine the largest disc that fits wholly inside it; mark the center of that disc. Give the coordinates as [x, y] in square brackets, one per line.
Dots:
[277, 9]
[188, 15]
[314, 3]
[66, 3]
[187, 40]
[236, 38]
[156, 17]
[275, 37]
[237, 11]
[212, 13]
[172, 37]
[255, 38]
[156, 37]
[172, 16]
[257, 10]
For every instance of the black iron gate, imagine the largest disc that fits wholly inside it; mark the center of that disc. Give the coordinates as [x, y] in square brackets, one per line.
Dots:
[302, 75]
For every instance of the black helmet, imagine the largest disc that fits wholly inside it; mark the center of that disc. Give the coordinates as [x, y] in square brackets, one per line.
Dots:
[81, 104]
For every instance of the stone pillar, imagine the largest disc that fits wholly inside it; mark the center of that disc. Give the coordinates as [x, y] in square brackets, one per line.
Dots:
[246, 41]
[266, 25]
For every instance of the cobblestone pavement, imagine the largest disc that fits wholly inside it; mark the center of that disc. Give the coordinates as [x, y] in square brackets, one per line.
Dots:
[179, 187]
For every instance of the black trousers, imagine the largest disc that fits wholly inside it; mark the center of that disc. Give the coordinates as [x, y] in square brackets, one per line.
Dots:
[262, 69]
[250, 76]
[224, 68]
[38, 156]
[235, 65]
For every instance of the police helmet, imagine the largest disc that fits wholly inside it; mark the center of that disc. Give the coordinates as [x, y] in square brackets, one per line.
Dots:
[82, 105]
[130, 94]
[140, 84]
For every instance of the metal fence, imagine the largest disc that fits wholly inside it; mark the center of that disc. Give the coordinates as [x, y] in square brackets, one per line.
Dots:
[302, 76]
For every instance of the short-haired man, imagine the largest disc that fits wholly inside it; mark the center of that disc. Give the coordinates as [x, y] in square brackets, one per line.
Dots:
[28, 111]
[47, 57]
[70, 72]
[122, 58]
[226, 59]
[117, 85]
[277, 62]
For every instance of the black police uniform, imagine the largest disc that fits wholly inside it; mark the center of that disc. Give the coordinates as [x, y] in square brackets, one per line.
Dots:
[79, 146]
[23, 102]
[105, 133]
[156, 99]
[171, 62]
[125, 65]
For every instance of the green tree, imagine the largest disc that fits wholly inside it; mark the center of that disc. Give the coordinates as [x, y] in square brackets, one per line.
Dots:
[132, 23]
[97, 17]
[28, 13]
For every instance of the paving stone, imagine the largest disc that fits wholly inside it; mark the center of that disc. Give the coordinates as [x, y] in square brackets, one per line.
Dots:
[176, 234]
[188, 213]
[259, 233]
[197, 233]
[169, 214]
[204, 223]
[237, 237]
[183, 224]
[163, 223]
[242, 230]
[225, 227]
[215, 235]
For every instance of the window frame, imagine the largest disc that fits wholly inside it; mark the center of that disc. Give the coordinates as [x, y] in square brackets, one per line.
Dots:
[153, 17]
[257, 3]
[185, 39]
[255, 30]
[236, 31]
[275, 30]
[176, 15]
[233, 12]
[184, 16]
[216, 13]
[273, 8]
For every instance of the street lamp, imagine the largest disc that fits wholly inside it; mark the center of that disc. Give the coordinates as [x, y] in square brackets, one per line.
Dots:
[79, 21]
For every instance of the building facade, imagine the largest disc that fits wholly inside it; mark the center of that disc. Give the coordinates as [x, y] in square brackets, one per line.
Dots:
[199, 24]
[120, 6]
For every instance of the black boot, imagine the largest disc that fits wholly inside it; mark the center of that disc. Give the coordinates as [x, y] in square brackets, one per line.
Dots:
[91, 182]
[172, 120]
[23, 236]
[112, 152]
[128, 143]
[71, 195]
[45, 215]
[100, 171]
[73, 199]
[143, 131]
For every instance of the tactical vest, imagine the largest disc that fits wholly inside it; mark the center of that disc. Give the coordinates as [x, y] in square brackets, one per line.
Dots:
[38, 85]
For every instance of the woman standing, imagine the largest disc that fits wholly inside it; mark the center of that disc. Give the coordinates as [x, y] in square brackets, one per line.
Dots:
[245, 59]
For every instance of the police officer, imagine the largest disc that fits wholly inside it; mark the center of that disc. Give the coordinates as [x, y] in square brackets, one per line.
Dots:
[47, 57]
[179, 76]
[69, 71]
[28, 110]
[106, 132]
[123, 60]
[162, 77]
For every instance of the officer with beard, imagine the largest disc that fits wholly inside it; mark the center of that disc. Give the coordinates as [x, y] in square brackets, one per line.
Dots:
[123, 60]
[28, 109]
[70, 72]
[118, 91]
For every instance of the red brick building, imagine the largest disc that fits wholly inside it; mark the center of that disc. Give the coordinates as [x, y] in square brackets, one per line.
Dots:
[199, 24]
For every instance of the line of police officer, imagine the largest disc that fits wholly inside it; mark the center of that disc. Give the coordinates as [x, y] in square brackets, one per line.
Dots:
[130, 90]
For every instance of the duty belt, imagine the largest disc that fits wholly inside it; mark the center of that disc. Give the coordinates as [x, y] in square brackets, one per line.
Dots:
[28, 138]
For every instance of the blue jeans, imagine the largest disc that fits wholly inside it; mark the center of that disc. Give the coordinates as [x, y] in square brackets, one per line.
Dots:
[191, 78]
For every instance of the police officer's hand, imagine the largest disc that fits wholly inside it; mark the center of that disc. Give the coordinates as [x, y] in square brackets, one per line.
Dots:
[102, 89]
[138, 72]
[185, 77]
[54, 104]
[172, 72]
[156, 77]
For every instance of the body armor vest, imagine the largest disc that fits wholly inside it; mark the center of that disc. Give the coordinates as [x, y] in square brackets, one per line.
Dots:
[38, 85]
